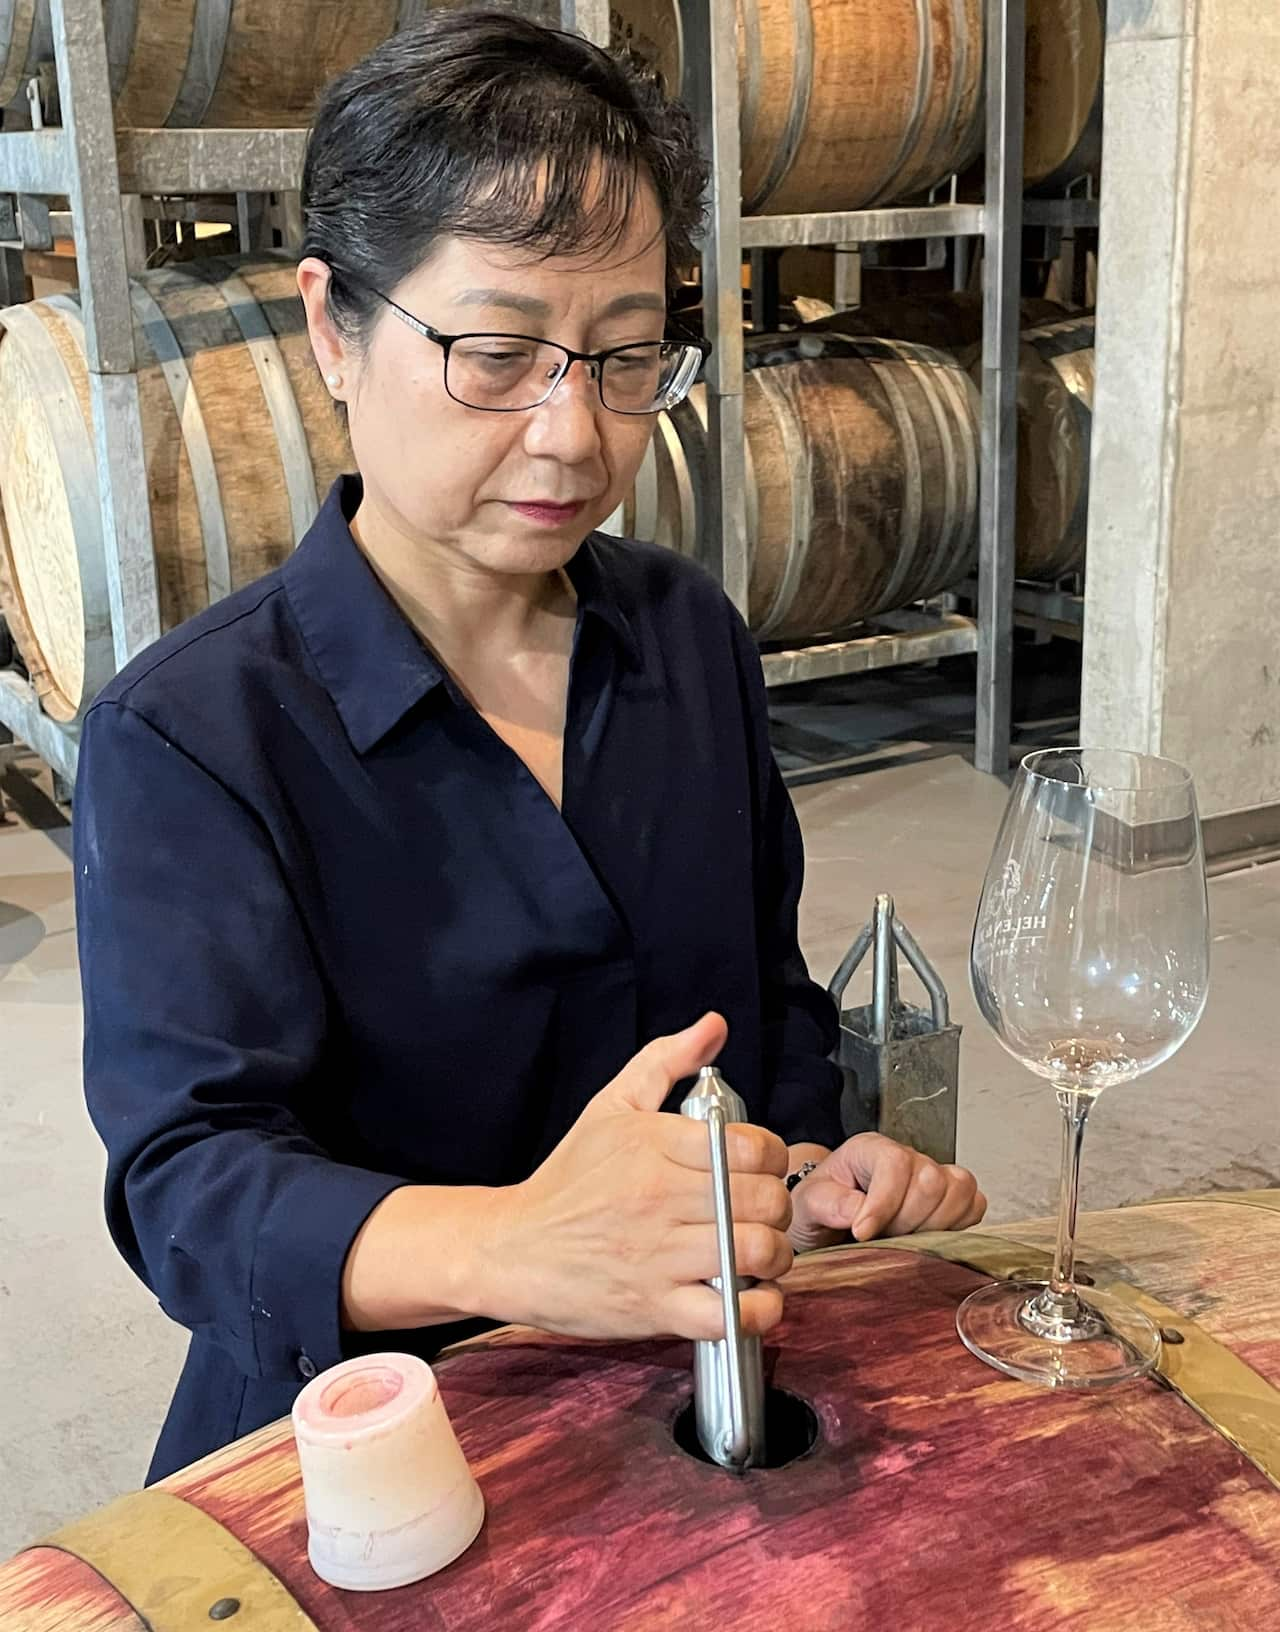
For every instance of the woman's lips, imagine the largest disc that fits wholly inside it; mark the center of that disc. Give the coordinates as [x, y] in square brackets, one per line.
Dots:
[549, 515]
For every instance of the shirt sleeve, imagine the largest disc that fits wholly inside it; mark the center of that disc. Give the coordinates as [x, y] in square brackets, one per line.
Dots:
[800, 1019]
[205, 1027]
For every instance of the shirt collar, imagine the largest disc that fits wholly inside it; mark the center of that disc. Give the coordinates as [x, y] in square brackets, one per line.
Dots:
[370, 660]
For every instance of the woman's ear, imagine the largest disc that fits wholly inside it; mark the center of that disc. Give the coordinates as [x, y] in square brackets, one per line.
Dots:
[331, 352]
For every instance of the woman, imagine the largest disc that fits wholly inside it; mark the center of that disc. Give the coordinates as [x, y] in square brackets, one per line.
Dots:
[389, 864]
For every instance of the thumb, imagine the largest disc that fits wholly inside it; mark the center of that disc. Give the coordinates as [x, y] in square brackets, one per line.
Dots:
[645, 1081]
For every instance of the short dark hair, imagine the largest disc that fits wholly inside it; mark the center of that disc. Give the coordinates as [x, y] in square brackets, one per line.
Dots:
[488, 126]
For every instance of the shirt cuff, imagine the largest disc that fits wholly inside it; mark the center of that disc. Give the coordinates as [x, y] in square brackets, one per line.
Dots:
[296, 1290]
[805, 1108]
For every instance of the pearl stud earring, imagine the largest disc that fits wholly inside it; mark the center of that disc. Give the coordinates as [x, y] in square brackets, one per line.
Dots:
[333, 379]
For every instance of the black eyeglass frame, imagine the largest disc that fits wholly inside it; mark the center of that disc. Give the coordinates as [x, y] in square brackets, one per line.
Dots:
[446, 342]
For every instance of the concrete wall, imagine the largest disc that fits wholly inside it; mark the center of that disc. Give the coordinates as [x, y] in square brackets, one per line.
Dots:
[1182, 634]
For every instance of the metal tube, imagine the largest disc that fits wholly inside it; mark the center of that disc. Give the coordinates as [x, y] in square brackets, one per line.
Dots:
[1006, 70]
[210, 161]
[862, 226]
[34, 161]
[938, 1000]
[728, 1374]
[948, 636]
[711, 88]
[20, 711]
[735, 1446]
[849, 964]
[884, 972]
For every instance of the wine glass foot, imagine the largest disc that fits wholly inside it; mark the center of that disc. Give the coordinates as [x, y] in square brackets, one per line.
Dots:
[1108, 1341]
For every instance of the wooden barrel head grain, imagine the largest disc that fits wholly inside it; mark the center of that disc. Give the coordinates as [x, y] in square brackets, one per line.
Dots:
[240, 439]
[54, 582]
[1063, 129]
[939, 1496]
[843, 103]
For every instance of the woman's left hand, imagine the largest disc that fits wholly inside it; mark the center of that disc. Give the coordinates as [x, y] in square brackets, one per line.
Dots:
[874, 1186]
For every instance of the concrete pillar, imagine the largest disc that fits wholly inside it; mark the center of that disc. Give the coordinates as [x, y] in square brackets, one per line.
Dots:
[1182, 621]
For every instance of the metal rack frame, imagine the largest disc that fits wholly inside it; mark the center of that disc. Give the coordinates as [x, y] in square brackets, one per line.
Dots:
[101, 170]
[104, 172]
[710, 41]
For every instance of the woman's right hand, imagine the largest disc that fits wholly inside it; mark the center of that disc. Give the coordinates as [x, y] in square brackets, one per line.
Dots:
[615, 1233]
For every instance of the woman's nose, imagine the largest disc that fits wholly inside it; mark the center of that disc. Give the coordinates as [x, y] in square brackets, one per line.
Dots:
[567, 425]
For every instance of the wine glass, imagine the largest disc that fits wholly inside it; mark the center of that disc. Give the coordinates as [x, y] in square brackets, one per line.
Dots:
[1090, 962]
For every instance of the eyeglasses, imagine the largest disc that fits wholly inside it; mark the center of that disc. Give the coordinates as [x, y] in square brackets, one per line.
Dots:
[510, 373]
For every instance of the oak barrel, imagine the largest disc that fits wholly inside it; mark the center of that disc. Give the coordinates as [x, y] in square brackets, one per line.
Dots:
[210, 62]
[1055, 408]
[862, 483]
[241, 445]
[940, 1496]
[844, 103]
[1063, 127]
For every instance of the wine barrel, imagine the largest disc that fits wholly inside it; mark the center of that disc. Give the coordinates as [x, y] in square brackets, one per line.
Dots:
[1062, 133]
[240, 439]
[1055, 408]
[862, 483]
[844, 103]
[1055, 436]
[924, 1490]
[210, 62]
[948, 320]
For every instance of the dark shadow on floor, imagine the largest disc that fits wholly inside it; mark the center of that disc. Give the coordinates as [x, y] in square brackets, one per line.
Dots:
[827, 729]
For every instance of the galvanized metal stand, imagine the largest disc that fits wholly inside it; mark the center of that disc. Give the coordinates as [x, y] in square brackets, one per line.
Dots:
[901, 1064]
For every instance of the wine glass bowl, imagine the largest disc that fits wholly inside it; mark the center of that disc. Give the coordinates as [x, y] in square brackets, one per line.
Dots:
[1090, 962]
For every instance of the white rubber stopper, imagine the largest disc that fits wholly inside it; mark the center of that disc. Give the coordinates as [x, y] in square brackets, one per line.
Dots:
[390, 1498]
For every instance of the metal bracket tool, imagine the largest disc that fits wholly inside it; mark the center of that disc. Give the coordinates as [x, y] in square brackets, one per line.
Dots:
[901, 1065]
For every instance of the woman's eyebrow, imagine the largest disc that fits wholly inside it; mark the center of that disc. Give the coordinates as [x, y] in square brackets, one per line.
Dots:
[526, 305]
[639, 300]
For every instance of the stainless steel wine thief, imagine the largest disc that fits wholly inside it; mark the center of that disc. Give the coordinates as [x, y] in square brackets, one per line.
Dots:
[728, 1375]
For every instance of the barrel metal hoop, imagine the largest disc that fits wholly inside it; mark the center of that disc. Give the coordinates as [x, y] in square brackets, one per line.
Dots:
[924, 88]
[120, 19]
[209, 30]
[195, 439]
[21, 14]
[684, 432]
[961, 396]
[944, 137]
[644, 493]
[798, 449]
[263, 347]
[784, 154]
[752, 74]
[1267, 1200]
[927, 373]
[171, 1563]
[1235, 1400]
[912, 510]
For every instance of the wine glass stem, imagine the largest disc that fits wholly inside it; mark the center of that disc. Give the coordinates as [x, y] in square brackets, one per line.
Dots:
[1075, 1114]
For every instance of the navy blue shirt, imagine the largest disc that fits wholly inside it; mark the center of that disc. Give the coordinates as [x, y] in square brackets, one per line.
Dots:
[334, 936]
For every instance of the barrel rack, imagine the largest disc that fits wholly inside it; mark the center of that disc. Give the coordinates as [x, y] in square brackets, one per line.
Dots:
[105, 173]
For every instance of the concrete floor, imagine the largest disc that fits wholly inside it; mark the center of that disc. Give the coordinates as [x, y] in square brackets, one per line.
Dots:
[87, 1359]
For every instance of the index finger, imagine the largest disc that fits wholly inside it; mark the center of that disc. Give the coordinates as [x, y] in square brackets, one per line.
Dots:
[888, 1185]
[750, 1149]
